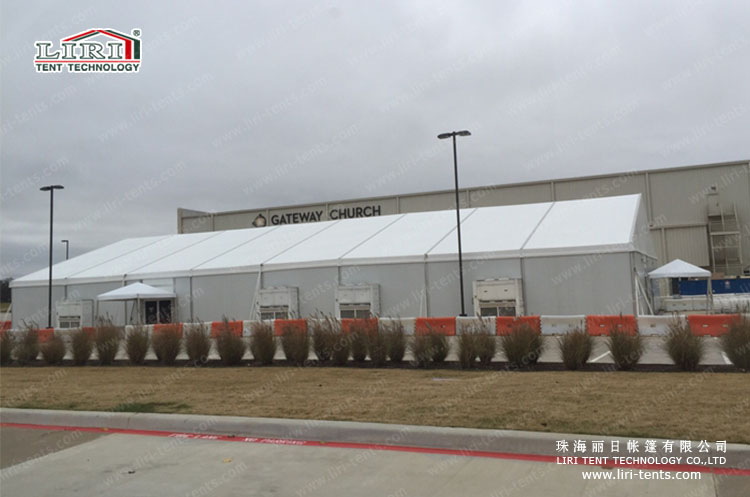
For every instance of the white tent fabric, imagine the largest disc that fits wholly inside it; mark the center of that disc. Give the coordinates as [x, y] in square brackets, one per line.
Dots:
[596, 225]
[679, 269]
[135, 291]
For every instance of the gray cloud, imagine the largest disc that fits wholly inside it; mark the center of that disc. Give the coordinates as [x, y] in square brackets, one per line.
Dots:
[249, 105]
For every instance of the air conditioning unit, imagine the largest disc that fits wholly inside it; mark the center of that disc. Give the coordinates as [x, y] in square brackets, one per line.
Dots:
[75, 313]
[498, 297]
[358, 301]
[278, 303]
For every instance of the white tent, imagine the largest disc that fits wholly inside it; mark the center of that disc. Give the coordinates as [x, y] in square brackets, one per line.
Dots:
[134, 291]
[681, 269]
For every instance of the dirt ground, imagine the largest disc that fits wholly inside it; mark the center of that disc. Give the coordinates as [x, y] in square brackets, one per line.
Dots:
[710, 406]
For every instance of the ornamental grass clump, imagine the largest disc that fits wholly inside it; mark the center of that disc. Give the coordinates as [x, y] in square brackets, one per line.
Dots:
[395, 340]
[295, 342]
[231, 348]
[377, 346]
[736, 342]
[81, 346]
[575, 348]
[198, 343]
[685, 349]
[523, 345]
[358, 331]
[107, 340]
[137, 342]
[626, 347]
[167, 343]
[263, 343]
[6, 348]
[323, 330]
[53, 350]
[26, 347]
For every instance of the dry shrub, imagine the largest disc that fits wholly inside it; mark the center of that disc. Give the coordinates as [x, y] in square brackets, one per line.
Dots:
[626, 348]
[137, 342]
[395, 340]
[440, 346]
[736, 342]
[231, 348]
[485, 343]
[420, 349]
[341, 347]
[81, 346]
[53, 350]
[6, 348]
[377, 346]
[167, 343]
[198, 343]
[467, 346]
[107, 340]
[523, 345]
[26, 348]
[358, 331]
[323, 336]
[685, 349]
[263, 343]
[295, 343]
[575, 348]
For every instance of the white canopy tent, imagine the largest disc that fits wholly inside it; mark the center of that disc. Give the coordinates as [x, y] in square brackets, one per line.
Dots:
[134, 291]
[681, 269]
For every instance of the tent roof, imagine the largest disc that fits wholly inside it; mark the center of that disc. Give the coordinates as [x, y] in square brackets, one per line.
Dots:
[608, 224]
[135, 291]
[679, 269]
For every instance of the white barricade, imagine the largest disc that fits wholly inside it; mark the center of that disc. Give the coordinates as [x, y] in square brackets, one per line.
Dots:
[466, 321]
[559, 325]
[655, 325]
[409, 323]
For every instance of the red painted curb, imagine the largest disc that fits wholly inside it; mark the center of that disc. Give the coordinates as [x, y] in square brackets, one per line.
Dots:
[367, 446]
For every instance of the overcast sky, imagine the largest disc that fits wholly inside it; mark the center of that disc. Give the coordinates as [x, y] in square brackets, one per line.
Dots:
[254, 104]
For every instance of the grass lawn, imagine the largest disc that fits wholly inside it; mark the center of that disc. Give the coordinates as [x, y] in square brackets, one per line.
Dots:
[711, 406]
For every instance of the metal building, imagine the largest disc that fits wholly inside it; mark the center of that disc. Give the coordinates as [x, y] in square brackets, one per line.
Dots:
[567, 257]
[699, 214]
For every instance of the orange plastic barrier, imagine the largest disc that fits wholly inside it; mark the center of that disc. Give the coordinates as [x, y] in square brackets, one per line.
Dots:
[168, 326]
[5, 325]
[90, 331]
[45, 334]
[445, 326]
[235, 328]
[600, 325]
[369, 324]
[715, 325]
[504, 324]
[280, 324]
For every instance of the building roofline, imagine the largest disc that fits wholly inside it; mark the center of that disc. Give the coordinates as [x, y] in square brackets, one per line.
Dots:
[469, 188]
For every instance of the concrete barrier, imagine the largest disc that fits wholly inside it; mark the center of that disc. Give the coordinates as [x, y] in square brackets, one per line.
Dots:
[560, 325]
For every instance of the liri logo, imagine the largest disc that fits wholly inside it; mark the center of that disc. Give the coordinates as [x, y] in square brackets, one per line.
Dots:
[95, 50]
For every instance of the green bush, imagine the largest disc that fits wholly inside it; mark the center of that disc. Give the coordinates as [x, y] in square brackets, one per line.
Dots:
[263, 343]
[198, 343]
[377, 346]
[736, 342]
[107, 340]
[53, 350]
[626, 348]
[296, 344]
[324, 334]
[137, 342]
[685, 349]
[575, 348]
[523, 345]
[81, 346]
[231, 348]
[26, 348]
[6, 348]
[395, 340]
[167, 343]
[358, 340]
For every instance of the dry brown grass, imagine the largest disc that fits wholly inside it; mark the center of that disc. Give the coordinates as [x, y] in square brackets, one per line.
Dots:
[708, 406]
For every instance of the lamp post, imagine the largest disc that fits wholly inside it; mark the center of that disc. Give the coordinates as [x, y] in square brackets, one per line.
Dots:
[67, 248]
[51, 189]
[453, 135]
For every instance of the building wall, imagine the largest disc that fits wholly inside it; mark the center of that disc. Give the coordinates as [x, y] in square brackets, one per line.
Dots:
[675, 200]
[30, 305]
[229, 295]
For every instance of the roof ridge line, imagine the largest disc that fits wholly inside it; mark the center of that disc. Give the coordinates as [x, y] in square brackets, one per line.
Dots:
[334, 223]
[473, 210]
[398, 218]
[541, 220]
[272, 228]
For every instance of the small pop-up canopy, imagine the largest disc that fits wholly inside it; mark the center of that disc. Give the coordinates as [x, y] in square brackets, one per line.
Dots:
[681, 269]
[134, 291]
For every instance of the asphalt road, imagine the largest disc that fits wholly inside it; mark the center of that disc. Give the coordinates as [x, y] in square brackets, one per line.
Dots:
[52, 463]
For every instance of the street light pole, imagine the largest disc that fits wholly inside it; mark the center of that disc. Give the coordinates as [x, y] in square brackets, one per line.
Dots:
[51, 189]
[67, 248]
[453, 135]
